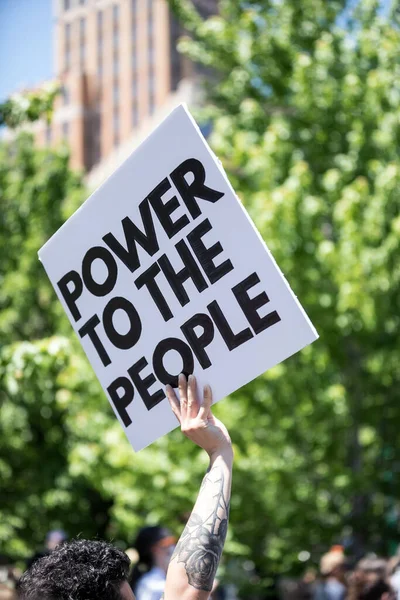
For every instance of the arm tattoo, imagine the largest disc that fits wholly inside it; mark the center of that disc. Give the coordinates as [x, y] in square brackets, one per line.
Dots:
[200, 546]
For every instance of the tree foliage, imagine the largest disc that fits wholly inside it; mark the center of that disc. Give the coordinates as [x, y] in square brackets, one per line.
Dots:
[306, 121]
[29, 106]
[37, 193]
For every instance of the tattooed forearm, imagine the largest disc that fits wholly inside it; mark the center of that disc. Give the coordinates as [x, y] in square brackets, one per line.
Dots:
[200, 546]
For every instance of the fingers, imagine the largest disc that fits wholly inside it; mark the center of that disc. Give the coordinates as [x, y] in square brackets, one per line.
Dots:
[183, 396]
[193, 399]
[188, 406]
[205, 408]
[173, 401]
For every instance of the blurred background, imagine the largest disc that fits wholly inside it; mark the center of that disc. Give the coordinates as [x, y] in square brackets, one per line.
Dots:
[300, 99]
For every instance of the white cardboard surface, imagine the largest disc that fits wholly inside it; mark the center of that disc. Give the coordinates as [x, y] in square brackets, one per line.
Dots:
[174, 141]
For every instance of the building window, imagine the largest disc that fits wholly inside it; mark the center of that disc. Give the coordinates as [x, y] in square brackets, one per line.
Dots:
[150, 17]
[151, 54]
[100, 44]
[82, 28]
[115, 39]
[67, 4]
[65, 95]
[135, 114]
[116, 127]
[116, 92]
[134, 31]
[134, 64]
[96, 146]
[82, 40]
[151, 57]
[152, 104]
[116, 120]
[152, 82]
[82, 2]
[96, 134]
[67, 34]
[115, 64]
[115, 14]
[65, 130]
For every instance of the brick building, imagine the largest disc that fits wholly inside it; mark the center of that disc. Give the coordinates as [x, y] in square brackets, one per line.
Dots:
[118, 63]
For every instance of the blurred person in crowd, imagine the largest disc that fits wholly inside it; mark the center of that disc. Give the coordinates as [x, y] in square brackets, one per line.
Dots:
[6, 592]
[8, 577]
[298, 589]
[96, 570]
[155, 546]
[333, 572]
[306, 585]
[394, 574]
[53, 539]
[369, 581]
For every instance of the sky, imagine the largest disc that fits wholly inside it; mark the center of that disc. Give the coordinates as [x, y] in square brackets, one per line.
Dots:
[26, 56]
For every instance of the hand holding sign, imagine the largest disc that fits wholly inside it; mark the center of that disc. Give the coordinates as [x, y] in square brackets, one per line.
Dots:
[162, 272]
[196, 419]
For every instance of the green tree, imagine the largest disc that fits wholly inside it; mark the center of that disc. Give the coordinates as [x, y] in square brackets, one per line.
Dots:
[305, 105]
[38, 192]
[38, 371]
[29, 106]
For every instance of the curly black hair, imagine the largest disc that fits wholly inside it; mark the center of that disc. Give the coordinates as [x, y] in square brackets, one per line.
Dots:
[77, 570]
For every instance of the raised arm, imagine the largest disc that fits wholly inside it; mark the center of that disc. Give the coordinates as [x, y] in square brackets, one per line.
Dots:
[195, 561]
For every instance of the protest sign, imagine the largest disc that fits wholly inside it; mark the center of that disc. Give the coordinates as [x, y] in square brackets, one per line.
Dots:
[161, 271]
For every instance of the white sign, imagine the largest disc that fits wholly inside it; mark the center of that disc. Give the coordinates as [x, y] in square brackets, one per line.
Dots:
[161, 271]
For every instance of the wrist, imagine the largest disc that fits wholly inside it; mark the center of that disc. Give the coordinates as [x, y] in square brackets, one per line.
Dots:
[222, 454]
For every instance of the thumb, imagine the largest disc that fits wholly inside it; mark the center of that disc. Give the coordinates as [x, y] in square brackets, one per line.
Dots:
[205, 408]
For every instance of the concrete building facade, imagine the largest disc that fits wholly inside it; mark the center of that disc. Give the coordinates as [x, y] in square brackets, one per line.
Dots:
[118, 64]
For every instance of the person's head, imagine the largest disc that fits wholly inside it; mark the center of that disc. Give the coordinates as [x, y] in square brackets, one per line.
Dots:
[371, 573]
[78, 570]
[333, 564]
[379, 590]
[372, 570]
[154, 546]
[55, 538]
[393, 565]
